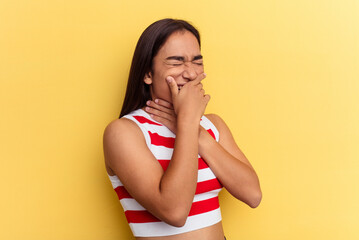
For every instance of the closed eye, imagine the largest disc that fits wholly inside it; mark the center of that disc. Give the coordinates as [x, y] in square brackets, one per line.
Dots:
[176, 64]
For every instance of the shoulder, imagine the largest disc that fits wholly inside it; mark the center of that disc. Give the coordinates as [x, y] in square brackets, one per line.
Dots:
[121, 130]
[216, 120]
[119, 126]
[222, 128]
[122, 139]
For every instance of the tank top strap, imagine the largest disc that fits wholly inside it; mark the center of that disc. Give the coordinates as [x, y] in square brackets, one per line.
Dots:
[210, 127]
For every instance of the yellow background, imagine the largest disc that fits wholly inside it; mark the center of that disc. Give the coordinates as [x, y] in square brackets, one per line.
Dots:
[284, 75]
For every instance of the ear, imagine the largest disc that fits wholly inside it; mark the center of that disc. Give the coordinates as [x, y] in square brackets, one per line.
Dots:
[148, 78]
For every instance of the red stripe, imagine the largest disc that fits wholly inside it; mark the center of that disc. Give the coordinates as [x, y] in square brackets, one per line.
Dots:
[199, 207]
[159, 140]
[202, 164]
[164, 164]
[211, 133]
[204, 206]
[208, 185]
[141, 216]
[202, 187]
[142, 119]
[122, 192]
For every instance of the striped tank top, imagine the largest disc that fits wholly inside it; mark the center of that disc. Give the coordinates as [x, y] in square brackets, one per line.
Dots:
[205, 210]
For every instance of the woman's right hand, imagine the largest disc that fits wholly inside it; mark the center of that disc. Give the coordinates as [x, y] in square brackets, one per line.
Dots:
[190, 101]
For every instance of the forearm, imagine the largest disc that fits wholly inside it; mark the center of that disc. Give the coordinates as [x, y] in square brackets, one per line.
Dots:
[179, 181]
[238, 177]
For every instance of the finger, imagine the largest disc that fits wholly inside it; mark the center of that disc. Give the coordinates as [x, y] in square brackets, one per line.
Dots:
[173, 86]
[199, 85]
[159, 107]
[202, 76]
[207, 98]
[164, 103]
[199, 78]
[159, 113]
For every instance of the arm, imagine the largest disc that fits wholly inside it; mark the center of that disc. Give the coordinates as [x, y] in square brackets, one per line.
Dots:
[229, 163]
[225, 158]
[167, 195]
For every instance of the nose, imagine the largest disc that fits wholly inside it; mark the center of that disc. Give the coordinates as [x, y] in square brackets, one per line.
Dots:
[189, 72]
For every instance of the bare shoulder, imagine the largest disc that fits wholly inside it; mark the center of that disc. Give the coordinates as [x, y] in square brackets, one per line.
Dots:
[120, 136]
[121, 132]
[119, 127]
[217, 121]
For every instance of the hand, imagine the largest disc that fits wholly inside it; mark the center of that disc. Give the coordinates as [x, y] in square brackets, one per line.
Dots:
[163, 112]
[189, 102]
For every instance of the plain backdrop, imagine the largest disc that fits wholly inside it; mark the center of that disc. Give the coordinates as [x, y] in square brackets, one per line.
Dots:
[284, 75]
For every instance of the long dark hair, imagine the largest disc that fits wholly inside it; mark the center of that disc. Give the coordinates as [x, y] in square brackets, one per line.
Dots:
[151, 40]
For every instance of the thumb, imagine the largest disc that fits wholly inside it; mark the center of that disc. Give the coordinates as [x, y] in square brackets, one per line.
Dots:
[173, 86]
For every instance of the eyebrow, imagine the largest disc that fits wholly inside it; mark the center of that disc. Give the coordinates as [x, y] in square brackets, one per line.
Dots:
[180, 58]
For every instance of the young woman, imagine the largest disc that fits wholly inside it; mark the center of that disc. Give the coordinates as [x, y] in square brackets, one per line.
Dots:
[166, 160]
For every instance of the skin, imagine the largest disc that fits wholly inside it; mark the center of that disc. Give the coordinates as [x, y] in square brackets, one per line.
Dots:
[168, 195]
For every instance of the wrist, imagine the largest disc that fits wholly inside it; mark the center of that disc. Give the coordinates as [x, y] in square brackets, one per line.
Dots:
[186, 120]
[205, 140]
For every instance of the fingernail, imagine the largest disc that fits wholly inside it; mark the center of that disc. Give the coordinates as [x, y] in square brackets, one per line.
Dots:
[147, 108]
[169, 79]
[156, 101]
[148, 102]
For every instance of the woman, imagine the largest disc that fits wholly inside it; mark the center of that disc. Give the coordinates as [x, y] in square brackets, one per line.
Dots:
[166, 160]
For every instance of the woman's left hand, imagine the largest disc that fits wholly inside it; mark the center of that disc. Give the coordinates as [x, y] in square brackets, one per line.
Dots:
[163, 112]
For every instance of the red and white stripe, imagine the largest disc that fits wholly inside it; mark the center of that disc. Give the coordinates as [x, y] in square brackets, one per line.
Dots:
[205, 210]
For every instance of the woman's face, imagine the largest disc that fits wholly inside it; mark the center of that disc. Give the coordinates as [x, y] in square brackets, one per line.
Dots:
[180, 57]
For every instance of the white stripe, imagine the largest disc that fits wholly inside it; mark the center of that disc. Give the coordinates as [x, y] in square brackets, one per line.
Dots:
[207, 124]
[131, 204]
[143, 130]
[115, 181]
[206, 195]
[161, 130]
[161, 152]
[205, 174]
[163, 229]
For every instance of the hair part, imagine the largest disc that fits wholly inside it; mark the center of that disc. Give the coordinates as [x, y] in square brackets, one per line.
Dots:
[148, 45]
